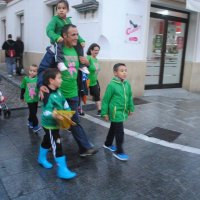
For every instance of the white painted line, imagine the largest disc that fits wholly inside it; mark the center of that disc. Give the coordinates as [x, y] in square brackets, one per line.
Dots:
[146, 138]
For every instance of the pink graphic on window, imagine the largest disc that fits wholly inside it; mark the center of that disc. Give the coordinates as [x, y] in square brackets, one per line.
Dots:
[71, 68]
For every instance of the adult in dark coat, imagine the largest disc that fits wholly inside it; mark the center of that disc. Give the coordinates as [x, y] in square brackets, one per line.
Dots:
[19, 55]
[10, 54]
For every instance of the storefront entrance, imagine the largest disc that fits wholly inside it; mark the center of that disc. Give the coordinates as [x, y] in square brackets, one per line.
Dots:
[166, 48]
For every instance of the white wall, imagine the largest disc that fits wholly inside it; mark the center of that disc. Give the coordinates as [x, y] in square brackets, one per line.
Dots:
[113, 28]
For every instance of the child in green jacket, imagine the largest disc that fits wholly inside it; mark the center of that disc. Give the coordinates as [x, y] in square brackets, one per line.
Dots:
[54, 32]
[54, 100]
[30, 94]
[117, 104]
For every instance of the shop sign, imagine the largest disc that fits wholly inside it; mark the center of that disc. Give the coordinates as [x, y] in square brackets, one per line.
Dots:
[133, 28]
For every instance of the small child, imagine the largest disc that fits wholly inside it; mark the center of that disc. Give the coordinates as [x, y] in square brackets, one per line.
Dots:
[54, 30]
[117, 104]
[30, 94]
[53, 100]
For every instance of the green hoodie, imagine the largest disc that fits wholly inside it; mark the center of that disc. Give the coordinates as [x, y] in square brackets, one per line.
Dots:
[55, 26]
[52, 100]
[117, 101]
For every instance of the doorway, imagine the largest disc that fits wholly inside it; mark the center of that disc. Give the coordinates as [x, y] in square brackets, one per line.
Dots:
[166, 48]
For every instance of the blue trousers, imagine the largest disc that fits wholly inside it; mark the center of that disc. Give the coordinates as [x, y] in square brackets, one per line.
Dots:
[11, 65]
[78, 131]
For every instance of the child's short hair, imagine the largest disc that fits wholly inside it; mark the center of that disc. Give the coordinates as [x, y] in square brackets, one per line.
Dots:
[49, 73]
[116, 66]
[34, 65]
[63, 1]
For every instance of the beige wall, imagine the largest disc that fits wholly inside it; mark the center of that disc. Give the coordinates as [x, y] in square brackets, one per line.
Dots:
[191, 80]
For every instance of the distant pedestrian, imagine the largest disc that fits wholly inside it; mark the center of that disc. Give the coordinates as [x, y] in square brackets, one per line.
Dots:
[117, 104]
[94, 68]
[19, 56]
[30, 94]
[54, 100]
[10, 54]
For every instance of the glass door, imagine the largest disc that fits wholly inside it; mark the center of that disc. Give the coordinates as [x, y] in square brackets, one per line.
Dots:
[154, 54]
[174, 52]
[166, 48]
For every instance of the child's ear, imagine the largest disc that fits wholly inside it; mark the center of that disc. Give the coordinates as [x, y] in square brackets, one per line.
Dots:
[115, 73]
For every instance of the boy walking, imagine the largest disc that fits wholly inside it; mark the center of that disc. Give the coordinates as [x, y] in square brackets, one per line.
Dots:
[117, 104]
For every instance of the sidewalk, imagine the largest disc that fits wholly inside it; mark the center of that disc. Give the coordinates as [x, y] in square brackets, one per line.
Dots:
[156, 169]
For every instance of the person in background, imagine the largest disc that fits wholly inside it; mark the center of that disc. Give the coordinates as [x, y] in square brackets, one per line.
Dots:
[117, 104]
[94, 69]
[10, 54]
[54, 100]
[19, 56]
[30, 94]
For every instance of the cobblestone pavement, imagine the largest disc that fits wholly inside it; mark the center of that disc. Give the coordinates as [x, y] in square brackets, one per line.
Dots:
[156, 170]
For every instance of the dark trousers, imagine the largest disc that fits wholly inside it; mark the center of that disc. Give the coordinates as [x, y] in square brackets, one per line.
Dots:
[116, 130]
[78, 131]
[59, 57]
[52, 140]
[19, 64]
[33, 113]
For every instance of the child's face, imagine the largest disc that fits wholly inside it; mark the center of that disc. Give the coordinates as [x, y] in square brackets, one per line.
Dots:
[32, 71]
[57, 81]
[62, 10]
[121, 72]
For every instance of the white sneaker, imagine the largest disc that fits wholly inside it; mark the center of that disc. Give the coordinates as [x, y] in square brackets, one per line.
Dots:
[62, 67]
[85, 70]
[9, 76]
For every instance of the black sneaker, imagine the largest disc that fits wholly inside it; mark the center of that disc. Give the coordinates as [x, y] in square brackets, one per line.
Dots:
[89, 152]
[99, 113]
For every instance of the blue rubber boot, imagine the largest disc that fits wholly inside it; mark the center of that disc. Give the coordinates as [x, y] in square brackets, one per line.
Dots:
[63, 171]
[42, 158]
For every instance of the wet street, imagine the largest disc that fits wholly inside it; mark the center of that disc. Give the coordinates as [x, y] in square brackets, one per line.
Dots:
[162, 140]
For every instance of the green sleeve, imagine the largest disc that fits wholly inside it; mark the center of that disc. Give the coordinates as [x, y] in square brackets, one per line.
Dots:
[23, 84]
[106, 100]
[50, 30]
[80, 39]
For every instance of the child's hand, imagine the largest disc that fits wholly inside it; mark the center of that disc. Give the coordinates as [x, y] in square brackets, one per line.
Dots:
[57, 116]
[60, 40]
[43, 89]
[83, 44]
[106, 118]
[130, 113]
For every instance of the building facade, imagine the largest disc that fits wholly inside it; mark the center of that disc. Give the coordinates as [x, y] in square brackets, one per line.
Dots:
[157, 39]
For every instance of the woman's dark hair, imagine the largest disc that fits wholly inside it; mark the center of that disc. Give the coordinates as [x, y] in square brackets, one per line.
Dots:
[116, 66]
[91, 47]
[49, 73]
[62, 1]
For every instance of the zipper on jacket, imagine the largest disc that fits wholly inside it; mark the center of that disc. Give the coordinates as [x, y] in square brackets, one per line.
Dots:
[124, 100]
[114, 112]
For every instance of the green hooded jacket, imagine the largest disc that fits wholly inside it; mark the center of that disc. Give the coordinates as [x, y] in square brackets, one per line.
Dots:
[55, 26]
[52, 100]
[117, 101]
